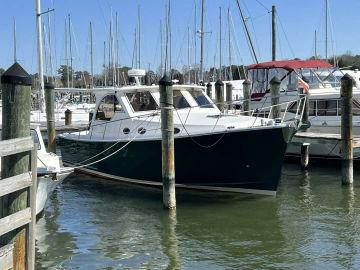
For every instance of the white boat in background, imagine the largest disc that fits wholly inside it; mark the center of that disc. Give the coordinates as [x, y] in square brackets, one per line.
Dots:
[324, 97]
[50, 171]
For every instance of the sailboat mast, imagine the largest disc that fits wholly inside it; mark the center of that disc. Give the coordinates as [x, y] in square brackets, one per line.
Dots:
[220, 47]
[326, 29]
[66, 56]
[49, 44]
[15, 58]
[229, 39]
[315, 45]
[202, 41]
[105, 71]
[71, 56]
[40, 57]
[189, 69]
[273, 27]
[247, 32]
[91, 56]
[195, 43]
[139, 40]
[161, 50]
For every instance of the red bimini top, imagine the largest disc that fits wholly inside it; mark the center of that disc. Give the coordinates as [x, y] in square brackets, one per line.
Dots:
[292, 64]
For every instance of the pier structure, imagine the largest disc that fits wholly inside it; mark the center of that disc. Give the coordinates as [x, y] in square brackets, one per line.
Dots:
[275, 97]
[17, 184]
[167, 145]
[219, 95]
[247, 96]
[346, 139]
[50, 115]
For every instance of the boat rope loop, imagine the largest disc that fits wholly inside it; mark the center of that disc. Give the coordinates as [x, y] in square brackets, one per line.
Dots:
[192, 137]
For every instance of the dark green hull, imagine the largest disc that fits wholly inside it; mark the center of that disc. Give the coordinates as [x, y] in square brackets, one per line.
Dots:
[249, 159]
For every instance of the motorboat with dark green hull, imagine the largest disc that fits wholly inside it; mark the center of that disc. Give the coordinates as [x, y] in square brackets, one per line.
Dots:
[220, 151]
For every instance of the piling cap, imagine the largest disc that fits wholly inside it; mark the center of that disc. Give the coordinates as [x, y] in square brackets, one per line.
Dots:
[219, 83]
[275, 80]
[208, 84]
[16, 75]
[165, 81]
[247, 82]
[229, 84]
[49, 85]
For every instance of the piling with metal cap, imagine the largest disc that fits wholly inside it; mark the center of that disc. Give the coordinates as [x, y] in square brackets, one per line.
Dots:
[16, 97]
[219, 94]
[68, 117]
[167, 144]
[275, 97]
[209, 90]
[346, 129]
[50, 115]
[229, 98]
[246, 96]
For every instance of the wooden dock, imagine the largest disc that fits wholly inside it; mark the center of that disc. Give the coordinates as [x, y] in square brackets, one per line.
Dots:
[320, 138]
[24, 217]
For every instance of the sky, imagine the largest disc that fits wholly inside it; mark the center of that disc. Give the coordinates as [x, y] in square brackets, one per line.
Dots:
[297, 21]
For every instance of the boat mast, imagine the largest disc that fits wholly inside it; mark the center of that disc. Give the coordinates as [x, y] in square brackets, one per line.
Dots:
[202, 41]
[195, 43]
[315, 45]
[105, 81]
[229, 39]
[117, 49]
[273, 27]
[161, 50]
[66, 56]
[326, 29]
[220, 39]
[49, 44]
[40, 56]
[139, 40]
[71, 56]
[15, 58]
[189, 69]
[247, 32]
[91, 56]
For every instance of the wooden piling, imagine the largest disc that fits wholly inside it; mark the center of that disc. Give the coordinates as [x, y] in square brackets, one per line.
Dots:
[167, 145]
[275, 97]
[346, 130]
[68, 117]
[304, 153]
[219, 94]
[16, 90]
[50, 116]
[209, 90]
[229, 99]
[246, 96]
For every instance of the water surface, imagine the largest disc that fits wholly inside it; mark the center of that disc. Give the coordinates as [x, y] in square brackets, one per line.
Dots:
[312, 223]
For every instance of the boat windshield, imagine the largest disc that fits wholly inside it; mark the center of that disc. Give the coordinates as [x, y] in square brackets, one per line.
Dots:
[179, 100]
[200, 98]
[142, 101]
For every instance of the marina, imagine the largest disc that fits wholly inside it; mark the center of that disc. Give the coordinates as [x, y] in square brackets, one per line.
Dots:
[168, 155]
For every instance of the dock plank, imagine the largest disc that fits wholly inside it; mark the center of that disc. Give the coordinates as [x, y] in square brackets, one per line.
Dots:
[15, 146]
[14, 221]
[15, 183]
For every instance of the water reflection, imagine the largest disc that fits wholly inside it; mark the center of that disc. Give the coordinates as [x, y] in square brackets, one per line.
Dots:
[313, 223]
[169, 241]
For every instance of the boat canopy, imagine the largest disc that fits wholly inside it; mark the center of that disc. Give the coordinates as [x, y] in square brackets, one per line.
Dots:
[291, 64]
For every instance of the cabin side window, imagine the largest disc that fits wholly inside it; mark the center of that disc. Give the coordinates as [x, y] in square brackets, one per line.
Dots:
[200, 99]
[107, 108]
[312, 110]
[142, 101]
[179, 100]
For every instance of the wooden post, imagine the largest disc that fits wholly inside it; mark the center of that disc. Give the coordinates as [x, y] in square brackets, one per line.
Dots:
[209, 90]
[167, 145]
[68, 117]
[246, 96]
[275, 97]
[219, 94]
[273, 28]
[304, 152]
[346, 130]
[16, 87]
[229, 89]
[50, 116]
